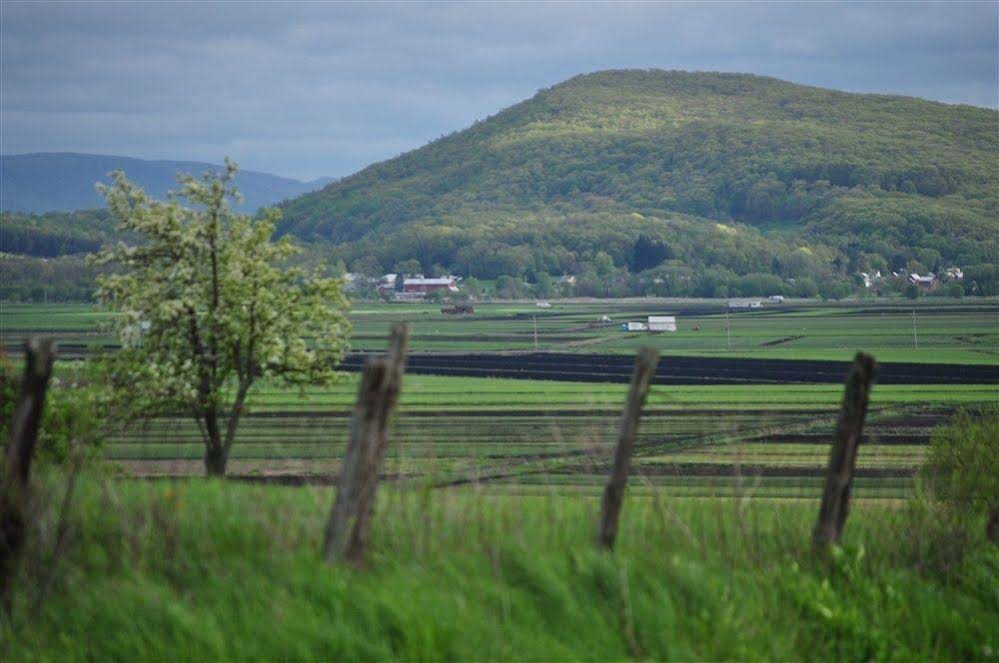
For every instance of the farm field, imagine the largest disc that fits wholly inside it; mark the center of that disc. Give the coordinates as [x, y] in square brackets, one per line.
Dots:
[946, 331]
[758, 434]
[526, 436]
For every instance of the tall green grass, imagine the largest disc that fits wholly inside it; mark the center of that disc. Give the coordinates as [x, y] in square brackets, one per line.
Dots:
[208, 570]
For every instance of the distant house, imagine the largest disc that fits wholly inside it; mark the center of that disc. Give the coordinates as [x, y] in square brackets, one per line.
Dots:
[665, 323]
[924, 282]
[424, 286]
[567, 280]
[387, 283]
[417, 287]
[776, 299]
[543, 304]
[355, 281]
[954, 273]
[870, 279]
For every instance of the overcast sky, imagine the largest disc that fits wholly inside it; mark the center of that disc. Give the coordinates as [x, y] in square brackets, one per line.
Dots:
[325, 89]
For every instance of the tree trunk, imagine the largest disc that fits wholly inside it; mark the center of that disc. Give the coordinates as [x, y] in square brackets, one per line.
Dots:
[235, 415]
[992, 529]
[216, 458]
[216, 454]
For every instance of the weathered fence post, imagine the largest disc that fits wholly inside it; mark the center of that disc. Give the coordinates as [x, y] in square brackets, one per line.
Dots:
[645, 369]
[349, 522]
[16, 468]
[843, 455]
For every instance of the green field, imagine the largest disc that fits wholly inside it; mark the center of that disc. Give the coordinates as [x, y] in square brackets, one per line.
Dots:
[946, 331]
[528, 436]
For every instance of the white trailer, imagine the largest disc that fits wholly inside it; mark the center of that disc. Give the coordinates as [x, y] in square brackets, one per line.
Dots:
[662, 323]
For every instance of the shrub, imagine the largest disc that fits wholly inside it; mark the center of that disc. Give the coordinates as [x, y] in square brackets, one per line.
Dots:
[73, 418]
[8, 392]
[962, 469]
[957, 488]
[963, 466]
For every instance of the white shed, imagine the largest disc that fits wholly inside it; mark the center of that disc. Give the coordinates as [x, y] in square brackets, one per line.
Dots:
[662, 323]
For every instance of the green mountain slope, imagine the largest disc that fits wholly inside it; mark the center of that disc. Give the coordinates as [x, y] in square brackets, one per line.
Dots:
[733, 172]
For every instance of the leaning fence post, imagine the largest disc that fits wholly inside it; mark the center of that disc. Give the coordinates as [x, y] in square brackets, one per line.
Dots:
[645, 369]
[16, 468]
[843, 455]
[349, 522]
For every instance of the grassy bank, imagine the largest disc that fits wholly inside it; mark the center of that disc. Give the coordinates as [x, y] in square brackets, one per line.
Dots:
[215, 570]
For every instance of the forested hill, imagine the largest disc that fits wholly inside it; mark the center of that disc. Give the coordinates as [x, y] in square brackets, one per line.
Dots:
[728, 171]
[47, 182]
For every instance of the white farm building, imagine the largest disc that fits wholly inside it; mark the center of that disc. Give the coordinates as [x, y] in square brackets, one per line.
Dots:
[662, 323]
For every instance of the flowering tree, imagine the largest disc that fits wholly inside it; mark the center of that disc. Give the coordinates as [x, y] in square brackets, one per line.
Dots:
[208, 307]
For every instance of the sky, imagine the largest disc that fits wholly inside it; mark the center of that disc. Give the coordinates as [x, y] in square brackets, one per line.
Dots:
[324, 89]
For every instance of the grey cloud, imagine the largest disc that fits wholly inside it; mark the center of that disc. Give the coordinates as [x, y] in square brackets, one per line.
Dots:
[308, 89]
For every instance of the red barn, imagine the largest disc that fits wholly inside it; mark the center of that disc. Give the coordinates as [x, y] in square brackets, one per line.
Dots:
[421, 285]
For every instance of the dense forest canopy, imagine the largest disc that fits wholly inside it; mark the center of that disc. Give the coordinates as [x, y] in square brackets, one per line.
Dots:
[730, 171]
[657, 182]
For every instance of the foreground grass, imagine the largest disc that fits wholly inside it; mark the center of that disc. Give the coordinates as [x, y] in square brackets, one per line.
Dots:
[201, 570]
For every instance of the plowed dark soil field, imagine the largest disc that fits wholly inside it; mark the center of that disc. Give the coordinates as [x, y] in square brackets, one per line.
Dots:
[677, 370]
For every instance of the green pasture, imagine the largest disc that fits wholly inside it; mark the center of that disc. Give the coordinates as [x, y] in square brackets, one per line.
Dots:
[694, 440]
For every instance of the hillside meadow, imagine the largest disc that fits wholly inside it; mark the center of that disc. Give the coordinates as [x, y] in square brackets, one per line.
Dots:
[697, 178]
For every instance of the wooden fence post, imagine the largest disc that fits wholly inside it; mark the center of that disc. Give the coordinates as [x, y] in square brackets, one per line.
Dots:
[16, 468]
[645, 369]
[349, 522]
[843, 455]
